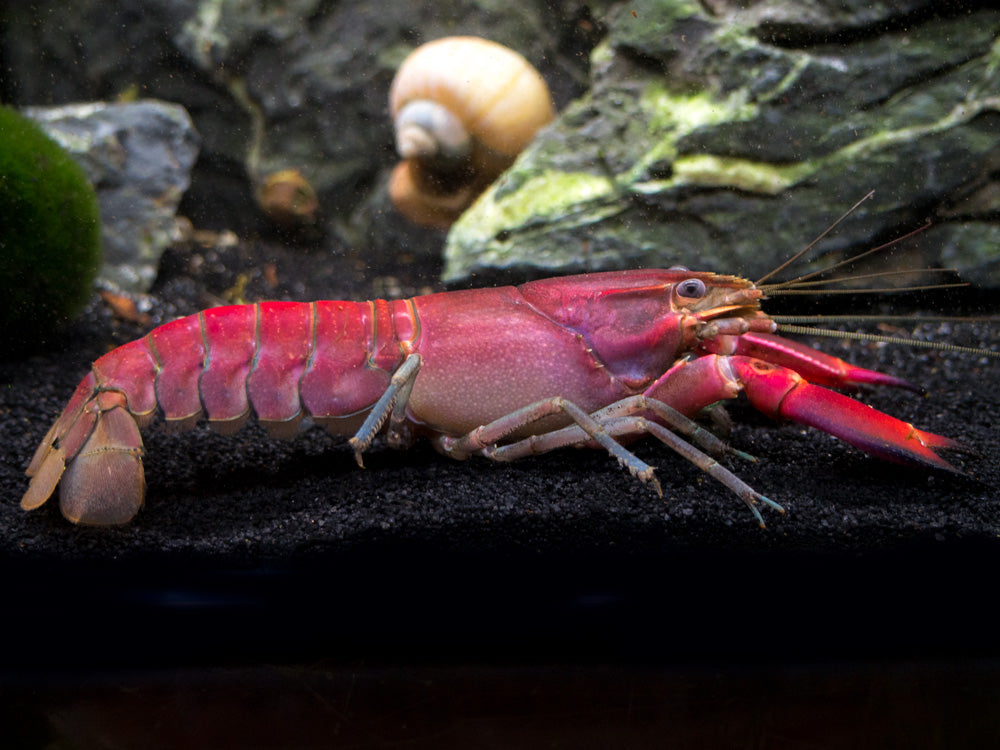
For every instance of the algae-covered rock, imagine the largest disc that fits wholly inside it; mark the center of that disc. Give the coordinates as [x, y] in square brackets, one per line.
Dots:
[726, 135]
[50, 233]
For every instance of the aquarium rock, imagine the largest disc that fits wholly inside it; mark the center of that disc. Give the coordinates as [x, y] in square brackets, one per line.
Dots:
[139, 157]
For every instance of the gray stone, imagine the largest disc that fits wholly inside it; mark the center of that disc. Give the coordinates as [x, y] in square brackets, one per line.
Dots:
[139, 157]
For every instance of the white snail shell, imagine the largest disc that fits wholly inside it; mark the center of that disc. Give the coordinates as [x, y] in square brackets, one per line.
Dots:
[463, 109]
[425, 129]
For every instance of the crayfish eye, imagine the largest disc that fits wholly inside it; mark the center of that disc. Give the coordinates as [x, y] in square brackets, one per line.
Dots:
[691, 288]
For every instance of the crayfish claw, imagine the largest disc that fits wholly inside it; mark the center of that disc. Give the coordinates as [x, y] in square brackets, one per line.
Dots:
[758, 498]
[656, 484]
[645, 474]
[752, 505]
[774, 506]
[358, 448]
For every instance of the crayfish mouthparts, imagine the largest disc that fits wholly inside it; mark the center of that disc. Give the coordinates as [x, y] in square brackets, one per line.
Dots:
[748, 297]
[735, 326]
[738, 303]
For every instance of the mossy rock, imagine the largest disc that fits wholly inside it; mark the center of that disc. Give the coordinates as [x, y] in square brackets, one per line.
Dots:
[50, 234]
[725, 136]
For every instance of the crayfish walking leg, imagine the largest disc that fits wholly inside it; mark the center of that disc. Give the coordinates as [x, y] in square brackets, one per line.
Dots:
[483, 439]
[621, 419]
[392, 405]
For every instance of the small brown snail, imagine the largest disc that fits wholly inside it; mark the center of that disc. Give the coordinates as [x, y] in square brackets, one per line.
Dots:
[288, 199]
[463, 109]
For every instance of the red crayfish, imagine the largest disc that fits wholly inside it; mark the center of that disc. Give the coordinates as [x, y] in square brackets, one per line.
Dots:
[500, 372]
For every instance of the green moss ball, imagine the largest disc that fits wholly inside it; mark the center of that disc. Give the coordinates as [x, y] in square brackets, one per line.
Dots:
[50, 232]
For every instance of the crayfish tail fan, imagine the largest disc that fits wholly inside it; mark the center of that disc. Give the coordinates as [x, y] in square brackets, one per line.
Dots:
[70, 418]
[104, 484]
[49, 462]
[44, 477]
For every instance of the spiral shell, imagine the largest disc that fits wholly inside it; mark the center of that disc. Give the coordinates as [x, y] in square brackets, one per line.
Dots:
[288, 199]
[463, 109]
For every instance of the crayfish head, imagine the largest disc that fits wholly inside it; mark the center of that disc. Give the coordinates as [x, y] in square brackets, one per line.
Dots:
[714, 305]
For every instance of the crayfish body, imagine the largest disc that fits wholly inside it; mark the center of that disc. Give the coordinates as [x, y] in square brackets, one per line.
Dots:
[504, 372]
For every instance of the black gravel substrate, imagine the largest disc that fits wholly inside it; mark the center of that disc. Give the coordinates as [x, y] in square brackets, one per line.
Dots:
[255, 552]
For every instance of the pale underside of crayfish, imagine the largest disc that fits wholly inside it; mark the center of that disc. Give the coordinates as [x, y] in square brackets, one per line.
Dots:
[596, 359]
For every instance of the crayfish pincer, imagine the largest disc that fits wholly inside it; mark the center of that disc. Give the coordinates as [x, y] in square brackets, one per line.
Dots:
[502, 372]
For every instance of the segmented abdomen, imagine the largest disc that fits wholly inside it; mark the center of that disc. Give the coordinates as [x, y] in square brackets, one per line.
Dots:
[283, 360]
